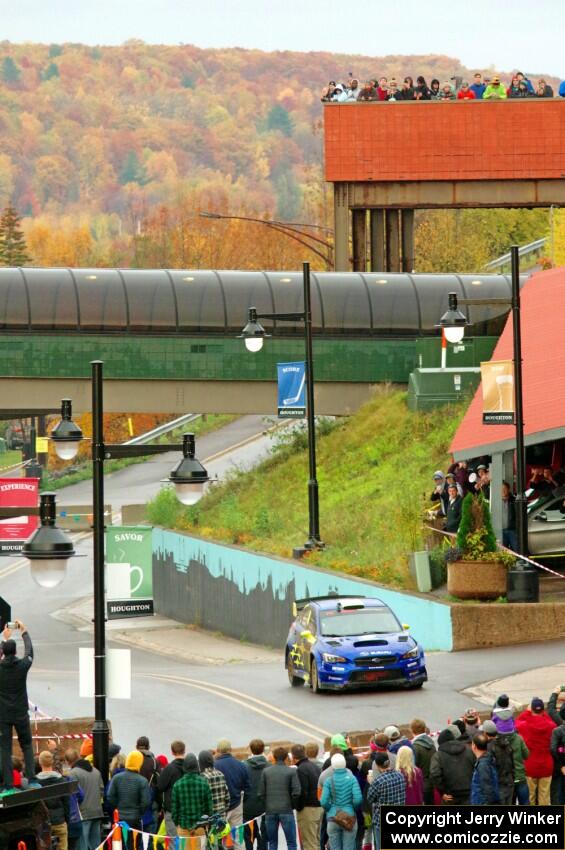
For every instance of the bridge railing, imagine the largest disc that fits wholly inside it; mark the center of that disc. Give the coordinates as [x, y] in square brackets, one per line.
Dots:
[532, 248]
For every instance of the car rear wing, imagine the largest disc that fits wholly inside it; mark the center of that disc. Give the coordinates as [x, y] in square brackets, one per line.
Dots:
[299, 604]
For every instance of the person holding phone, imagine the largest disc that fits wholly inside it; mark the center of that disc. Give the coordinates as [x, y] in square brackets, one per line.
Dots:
[14, 704]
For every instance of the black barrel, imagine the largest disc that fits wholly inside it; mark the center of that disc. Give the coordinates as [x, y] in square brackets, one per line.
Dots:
[522, 584]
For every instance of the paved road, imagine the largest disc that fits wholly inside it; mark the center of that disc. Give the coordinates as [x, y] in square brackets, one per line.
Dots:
[199, 702]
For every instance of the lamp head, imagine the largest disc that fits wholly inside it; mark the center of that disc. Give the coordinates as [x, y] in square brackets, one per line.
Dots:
[453, 321]
[48, 549]
[189, 476]
[66, 434]
[253, 333]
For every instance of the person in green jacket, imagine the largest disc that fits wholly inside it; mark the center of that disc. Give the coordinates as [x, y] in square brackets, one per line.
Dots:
[495, 90]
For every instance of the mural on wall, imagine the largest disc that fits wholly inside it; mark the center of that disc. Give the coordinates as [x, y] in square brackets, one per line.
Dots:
[250, 596]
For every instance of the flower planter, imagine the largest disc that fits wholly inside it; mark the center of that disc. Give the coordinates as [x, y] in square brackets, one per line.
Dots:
[476, 579]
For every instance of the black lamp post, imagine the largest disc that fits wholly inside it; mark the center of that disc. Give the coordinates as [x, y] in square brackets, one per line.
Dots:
[523, 582]
[253, 333]
[67, 436]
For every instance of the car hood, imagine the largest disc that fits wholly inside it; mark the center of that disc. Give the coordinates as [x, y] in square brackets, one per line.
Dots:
[367, 645]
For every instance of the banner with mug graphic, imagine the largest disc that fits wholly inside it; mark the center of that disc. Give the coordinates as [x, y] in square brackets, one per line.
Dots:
[497, 378]
[129, 571]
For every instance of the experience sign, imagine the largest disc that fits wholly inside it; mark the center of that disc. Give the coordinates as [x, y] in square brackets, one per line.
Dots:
[129, 571]
[291, 390]
[17, 493]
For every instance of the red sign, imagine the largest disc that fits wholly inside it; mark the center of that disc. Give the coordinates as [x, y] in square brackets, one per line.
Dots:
[17, 493]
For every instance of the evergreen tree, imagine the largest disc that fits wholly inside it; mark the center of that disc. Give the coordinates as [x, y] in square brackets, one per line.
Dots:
[13, 248]
[10, 71]
[133, 171]
[51, 71]
[279, 119]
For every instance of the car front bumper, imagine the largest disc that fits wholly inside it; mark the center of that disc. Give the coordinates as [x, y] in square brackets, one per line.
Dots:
[349, 675]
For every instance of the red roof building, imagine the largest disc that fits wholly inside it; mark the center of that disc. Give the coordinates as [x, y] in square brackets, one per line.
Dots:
[543, 373]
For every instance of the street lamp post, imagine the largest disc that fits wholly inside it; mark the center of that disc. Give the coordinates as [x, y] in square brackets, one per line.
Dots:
[453, 322]
[190, 477]
[253, 333]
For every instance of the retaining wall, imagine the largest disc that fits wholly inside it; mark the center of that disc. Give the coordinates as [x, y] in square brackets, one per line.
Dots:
[249, 596]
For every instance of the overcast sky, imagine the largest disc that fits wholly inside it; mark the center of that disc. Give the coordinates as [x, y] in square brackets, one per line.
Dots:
[522, 33]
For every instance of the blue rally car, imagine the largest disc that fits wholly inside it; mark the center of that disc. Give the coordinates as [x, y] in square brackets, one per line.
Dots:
[337, 642]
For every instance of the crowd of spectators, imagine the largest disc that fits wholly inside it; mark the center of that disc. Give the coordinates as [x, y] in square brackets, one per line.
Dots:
[481, 88]
[333, 801]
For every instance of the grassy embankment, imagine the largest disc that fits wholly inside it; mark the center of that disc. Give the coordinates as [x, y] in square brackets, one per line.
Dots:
[199, 427]
[374, 471]
[9, 459]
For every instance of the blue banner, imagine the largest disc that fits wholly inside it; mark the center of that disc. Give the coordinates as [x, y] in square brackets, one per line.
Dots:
[292, 390]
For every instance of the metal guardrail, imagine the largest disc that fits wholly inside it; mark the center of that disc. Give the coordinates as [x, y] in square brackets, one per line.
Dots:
[523, 251]
[160, 430]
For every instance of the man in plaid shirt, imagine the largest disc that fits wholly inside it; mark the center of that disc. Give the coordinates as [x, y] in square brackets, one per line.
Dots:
[388, 788]
[191, 799]
[216, 780]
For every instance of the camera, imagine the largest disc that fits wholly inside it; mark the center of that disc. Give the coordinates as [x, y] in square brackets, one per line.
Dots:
[11, 626]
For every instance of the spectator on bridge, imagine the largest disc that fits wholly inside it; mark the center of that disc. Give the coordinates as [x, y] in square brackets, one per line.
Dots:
[352, 92]
[413, 776]
[393, 92]
[451, 769]
[543, 89]
[252, 805]
[217, 782]
[434, 89]
[536, 727]
[92, 787]
[388, 788]
[382, 88]
[191, 799]
[279, 790]
[424, 748]
[57, 807]
[341, 794]
[484, 783]
[309, 811]
[329, 92]
[495, 90]
[14, 704]
[465, 92]
[513, 89]
[509, 537]
[446, 92]
[453, 512]
[562, 89]
[129, 792]
[421, 92]
[523, 79]
[368, 92]
[407, 89]
[237, 778]
[477, 86]
[167, 779]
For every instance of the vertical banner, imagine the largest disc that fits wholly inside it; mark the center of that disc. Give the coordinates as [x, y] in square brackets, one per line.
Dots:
[129, 571]
[497, 380]
[291, 390]
[17, 493]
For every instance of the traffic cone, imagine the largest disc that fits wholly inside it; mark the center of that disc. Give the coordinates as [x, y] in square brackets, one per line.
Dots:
[117, 832]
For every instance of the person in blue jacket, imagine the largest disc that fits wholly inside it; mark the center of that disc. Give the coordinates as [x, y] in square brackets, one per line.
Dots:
[562, 89]
[341, 793]
[484, 783]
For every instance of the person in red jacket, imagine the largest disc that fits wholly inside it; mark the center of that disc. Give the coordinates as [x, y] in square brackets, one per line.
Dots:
[465, 92]
[535, 727]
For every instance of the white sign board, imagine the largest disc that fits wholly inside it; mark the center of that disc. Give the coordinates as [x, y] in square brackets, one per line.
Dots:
[118, 673]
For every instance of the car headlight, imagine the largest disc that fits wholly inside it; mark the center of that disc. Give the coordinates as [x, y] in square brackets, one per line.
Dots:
[333, 659]
[412, 653]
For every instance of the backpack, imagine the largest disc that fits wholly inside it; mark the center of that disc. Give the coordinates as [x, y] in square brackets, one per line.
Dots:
[501, 750]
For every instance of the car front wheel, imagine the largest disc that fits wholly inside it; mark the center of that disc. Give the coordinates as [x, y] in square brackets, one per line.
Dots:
[294, 681]
[314, 681]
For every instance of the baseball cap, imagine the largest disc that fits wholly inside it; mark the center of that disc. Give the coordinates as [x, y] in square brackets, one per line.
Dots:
[339, 741]
[489, 727]
[392, 732]
[438, 474]
[471, 715]
[537, 704]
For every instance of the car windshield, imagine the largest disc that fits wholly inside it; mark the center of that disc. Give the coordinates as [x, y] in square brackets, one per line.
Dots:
[365, 621]
[537, 503]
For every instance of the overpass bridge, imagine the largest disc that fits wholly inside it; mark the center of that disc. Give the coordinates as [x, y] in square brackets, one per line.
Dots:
[169, 337]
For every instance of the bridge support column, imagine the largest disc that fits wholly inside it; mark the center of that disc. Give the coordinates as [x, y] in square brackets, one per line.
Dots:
[407, 235]
[359, 240]
[377, 221]
[392, 219]
[341, 227]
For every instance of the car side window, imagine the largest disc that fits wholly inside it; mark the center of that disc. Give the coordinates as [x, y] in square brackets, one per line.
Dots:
[303, 619]
[554, 511]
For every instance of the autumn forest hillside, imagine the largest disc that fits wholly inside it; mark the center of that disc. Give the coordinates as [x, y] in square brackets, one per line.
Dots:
[110, 152]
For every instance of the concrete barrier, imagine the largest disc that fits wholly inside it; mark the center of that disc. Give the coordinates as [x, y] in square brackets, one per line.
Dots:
[249, 596]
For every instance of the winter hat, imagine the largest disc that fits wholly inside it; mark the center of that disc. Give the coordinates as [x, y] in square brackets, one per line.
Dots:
[339, 741]
[134, 760]
[537, 705]
[162, 761]
[489, 727]
[190, 763]
[86, 748]
[471, 717]
[205, 759]
[444, 736]
[438, 474]
[460, 725]
[381, 760]
[503, 701]
[113, 750]
[392, 733]
[455, 730]
[338, 761]
[9, 647]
